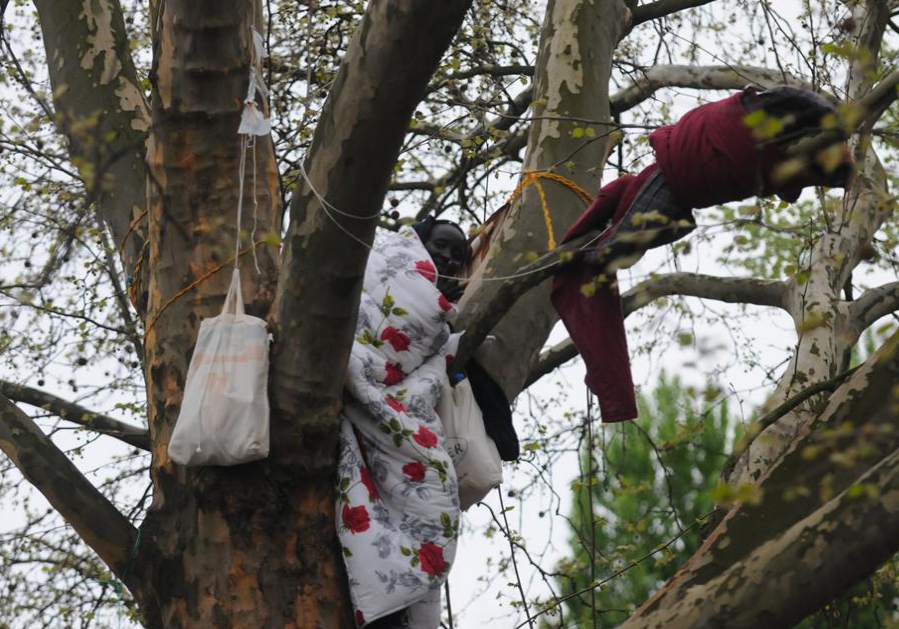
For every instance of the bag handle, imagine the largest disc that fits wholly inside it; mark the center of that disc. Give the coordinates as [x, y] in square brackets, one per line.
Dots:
[235, 296]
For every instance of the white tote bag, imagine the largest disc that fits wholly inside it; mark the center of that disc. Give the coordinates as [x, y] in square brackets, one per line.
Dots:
[224, 414]
[475, 457]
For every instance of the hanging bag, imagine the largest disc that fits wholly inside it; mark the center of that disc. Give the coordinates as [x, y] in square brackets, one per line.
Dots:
[224, 415]
[475, 457]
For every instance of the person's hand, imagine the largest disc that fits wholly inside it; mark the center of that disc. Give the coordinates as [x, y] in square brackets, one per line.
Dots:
[453, 290]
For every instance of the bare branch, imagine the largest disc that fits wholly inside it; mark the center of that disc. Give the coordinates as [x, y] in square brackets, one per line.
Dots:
[661, 8]
[92, 516]
[872, 305]
[732, 290]
[723, 77]
[727, 289]
[77, 414]
[488, 69]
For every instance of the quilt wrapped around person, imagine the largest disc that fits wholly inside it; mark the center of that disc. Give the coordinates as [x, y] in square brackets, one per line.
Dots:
[398, 499]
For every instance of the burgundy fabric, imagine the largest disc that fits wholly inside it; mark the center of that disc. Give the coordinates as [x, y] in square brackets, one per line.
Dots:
[596, 323]
[708, 157]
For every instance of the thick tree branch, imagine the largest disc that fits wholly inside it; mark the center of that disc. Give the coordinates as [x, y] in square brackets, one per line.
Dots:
[727, 289]
[661, 8]
[824, 517]
[349, 165]
[92, 516]
[77, 414]
[868, 110]
[100, 108]
[723, 77]
[872, 305]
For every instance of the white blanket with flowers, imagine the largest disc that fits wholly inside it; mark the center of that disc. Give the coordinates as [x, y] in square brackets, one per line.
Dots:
[398, 503]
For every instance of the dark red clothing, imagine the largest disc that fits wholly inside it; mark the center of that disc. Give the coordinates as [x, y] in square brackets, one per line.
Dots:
[707, 158]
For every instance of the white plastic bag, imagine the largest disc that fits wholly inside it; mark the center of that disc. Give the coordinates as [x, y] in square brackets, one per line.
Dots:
[475, 457]
[224, 415]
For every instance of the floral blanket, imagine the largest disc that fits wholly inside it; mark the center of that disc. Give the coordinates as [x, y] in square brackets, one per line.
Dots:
[398, 504]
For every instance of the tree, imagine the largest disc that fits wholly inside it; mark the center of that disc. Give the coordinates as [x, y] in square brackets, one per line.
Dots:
[255, 545]
[643, 517]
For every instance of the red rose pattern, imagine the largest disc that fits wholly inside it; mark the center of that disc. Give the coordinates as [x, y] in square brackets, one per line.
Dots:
[425, 438]
[394, 374]
[355, 518]
[427, 270]
[415, 471]
[444, 303]
[399, 341]
[369, 483]
[431, 557]
[395, 404]
[360, 617]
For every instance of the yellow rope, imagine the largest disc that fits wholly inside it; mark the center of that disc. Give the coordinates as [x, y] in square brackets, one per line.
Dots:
[198, 281]
[533, 177]
[131, 229]
[135, 276]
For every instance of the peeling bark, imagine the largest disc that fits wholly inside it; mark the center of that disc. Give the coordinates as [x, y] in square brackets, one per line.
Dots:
[571, 80]
[825, 518]
[100, 109]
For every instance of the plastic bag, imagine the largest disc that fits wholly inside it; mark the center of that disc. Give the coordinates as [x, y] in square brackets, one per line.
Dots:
[224, 415]
[475, 457]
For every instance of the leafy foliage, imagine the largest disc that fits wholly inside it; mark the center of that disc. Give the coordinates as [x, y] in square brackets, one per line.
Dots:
[644, 489]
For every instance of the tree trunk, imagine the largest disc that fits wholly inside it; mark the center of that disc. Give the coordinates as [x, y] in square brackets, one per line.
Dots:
[574, 64]
[251, 546]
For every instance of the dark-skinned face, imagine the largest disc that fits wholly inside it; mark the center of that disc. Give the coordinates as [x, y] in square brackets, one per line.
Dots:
[448, 248]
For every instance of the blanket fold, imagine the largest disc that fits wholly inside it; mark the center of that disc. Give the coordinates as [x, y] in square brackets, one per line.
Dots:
[398, 499]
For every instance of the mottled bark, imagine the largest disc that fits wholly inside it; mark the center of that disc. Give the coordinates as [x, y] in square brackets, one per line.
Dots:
[571, 81]
[349, 164]
[232, 547]
[100, 109]
[825, 330]
[825, 518]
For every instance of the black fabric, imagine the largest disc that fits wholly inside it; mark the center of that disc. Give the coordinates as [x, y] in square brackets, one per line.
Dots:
[496, 411]
[425, 227]
[653, 219]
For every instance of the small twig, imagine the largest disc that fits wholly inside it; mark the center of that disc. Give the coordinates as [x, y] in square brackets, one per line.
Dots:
[524, 600]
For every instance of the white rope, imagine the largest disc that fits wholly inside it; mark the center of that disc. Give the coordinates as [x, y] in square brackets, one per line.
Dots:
[240, 177]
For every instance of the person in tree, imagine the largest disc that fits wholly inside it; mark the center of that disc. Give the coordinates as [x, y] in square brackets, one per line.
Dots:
[723, 151]
[398, 499]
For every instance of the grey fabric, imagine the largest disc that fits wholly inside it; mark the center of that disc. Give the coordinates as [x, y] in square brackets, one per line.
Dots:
[652, 220]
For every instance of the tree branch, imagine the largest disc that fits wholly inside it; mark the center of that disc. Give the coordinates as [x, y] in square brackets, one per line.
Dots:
[869, 108]
[727, 289]
[823, 518]
[92, 516]
[872, 305]
[655, 10]
[356, 143]
[100, 107]
[723, 77]
[77, 414]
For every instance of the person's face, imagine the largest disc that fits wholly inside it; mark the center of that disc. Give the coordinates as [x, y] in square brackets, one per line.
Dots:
[447, 247]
